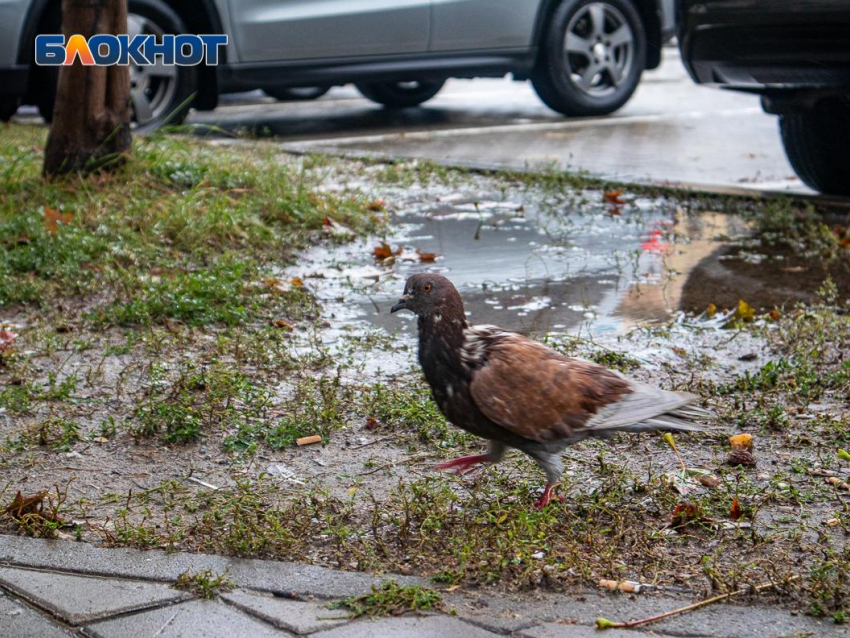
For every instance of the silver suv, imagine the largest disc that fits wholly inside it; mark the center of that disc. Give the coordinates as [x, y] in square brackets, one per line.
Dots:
[583, 57]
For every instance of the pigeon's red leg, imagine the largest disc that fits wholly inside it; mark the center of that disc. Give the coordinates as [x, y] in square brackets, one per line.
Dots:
[547, 496]
[464, 463]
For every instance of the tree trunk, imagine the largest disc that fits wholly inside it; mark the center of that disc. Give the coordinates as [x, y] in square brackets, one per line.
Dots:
[91, 117]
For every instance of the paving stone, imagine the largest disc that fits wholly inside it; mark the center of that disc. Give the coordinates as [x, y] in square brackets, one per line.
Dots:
[507, 626]
[81, 599]
[412, 627]
[195, 619]
[554, 630]
[292, 615]
[264, 575]
[19, 621]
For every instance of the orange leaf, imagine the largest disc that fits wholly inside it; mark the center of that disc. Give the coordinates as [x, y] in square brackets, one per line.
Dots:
[741, 442]
[297, 282]
[284, 325]
[775, 315]
[385, 251]
[735, 512]
[376, 205]
[614, 197]
[53, 216]
[426, 258]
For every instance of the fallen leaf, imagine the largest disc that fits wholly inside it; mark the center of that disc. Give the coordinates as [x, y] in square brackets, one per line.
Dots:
[371, 423]
[384, 251]
[685, 514]
[426, 258]
[614, 197]
[708, 480]
[745, 312]
[282, 324]
[741, 442]
[7, 339]
[775, 315]
[297, 282]
[376, 205]
[735, 512]
[741, 457]
[52, 218]
[22, 505]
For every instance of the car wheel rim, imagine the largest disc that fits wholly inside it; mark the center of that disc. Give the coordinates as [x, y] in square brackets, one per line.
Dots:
[599, 48]
[152, 88]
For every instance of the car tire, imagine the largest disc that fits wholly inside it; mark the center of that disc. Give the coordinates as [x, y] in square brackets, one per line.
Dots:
[8, 107]
[817, 144]
[297, 94]
[400, 95]
[157, 100]
[602, 67]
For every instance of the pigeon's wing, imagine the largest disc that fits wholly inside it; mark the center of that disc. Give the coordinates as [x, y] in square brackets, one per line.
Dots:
[541, 395]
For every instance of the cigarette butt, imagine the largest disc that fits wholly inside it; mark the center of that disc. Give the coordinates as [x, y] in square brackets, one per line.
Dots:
[308, 440]
[623, 585]
[837, 482]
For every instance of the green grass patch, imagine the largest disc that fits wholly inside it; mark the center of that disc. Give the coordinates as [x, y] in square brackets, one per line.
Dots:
[391, 599]
[178, 232]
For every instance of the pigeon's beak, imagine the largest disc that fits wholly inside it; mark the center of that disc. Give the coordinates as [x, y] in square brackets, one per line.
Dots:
[401, 305]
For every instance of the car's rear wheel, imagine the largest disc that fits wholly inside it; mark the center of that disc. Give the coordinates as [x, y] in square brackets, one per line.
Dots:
[296, 94]
[400, 95]
[593, 54]
[159, 94]
[817, 143]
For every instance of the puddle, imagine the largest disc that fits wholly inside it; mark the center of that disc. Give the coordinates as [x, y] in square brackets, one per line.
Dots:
[533, 267]
[539, 263]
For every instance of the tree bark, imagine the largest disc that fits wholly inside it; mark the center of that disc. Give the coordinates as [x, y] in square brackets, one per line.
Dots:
[91, 117]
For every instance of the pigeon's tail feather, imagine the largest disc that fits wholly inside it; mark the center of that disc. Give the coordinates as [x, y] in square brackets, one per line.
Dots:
[647, 409]
[665, 423]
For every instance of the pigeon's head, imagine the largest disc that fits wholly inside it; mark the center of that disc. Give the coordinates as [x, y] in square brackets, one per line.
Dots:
[427, 295]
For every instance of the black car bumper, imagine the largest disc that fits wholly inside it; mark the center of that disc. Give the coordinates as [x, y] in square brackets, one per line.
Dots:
[13, 80]
[762, 46]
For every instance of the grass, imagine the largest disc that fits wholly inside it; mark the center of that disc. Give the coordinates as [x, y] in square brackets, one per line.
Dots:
[179, 232]
[391, 599]
[206, 583]
[199, 402]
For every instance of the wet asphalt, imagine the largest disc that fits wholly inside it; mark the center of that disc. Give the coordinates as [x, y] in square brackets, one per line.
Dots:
[671, 132]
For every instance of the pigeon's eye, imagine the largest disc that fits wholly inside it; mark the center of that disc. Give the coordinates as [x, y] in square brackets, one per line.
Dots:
[426, 288]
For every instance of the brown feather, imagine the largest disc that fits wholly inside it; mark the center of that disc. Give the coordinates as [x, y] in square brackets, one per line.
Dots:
[538, 393]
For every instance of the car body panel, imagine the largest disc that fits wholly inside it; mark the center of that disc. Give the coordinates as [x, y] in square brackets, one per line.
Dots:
[765, 46]
[276, 30]
[13, 16]
[457, 25]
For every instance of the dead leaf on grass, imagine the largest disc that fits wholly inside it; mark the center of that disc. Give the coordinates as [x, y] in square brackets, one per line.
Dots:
[53, 217]
[735, 512]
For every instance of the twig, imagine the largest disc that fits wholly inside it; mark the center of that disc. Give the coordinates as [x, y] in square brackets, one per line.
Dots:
[603, 623]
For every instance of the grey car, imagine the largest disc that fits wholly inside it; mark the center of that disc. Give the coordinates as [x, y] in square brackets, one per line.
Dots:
[583, 57]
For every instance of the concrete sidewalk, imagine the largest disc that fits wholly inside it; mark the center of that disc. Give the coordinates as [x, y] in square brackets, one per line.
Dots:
[60, 588]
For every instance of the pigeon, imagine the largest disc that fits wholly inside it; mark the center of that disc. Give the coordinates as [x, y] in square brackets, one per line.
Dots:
[517, 393]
